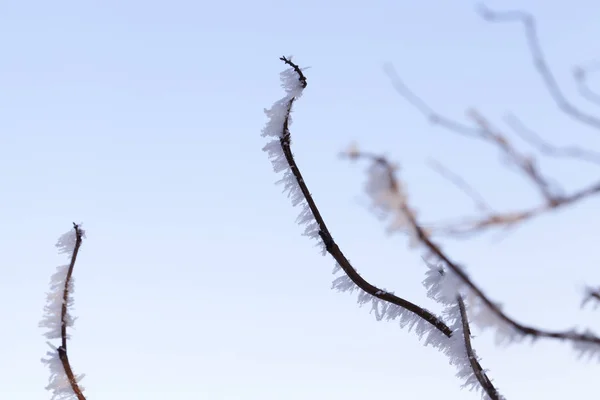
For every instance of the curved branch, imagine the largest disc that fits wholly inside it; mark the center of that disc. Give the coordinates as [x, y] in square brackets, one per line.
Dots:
[539, 61]
[535, 140]
[330, 246]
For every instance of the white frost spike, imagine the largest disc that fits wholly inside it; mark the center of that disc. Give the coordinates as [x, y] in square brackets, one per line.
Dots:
[54, 301]
[66, 243]
[274, 129]
[59, 382]
[442, 284]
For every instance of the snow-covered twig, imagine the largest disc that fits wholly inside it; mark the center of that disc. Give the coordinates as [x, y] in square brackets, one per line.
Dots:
[63, 382]
[280, 153]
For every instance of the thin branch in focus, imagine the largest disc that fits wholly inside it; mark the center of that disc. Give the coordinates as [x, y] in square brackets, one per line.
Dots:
[331, 246]
[581, 75]
[548, 149]
[539, 60]
[462, 185]
[480, 374]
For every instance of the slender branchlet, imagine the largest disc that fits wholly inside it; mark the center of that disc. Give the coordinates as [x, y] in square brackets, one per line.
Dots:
[63, 382]
[479, 372]
[592, 295]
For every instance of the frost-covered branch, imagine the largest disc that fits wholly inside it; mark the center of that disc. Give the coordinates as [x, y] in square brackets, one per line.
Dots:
[63, 382]
[539, 61]
[385, 304]
[389, 195]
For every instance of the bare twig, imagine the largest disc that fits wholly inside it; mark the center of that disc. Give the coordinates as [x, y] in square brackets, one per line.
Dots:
[462, 185]
[572, 152]
[539, 61]
[331, 246]
[431, 115]
[62, 350]
[480, 374]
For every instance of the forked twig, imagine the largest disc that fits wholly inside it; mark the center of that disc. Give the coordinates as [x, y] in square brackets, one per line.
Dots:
[423, 237]
[539, 61]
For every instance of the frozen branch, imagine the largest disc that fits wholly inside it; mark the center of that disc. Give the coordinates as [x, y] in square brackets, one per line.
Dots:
[280, 153]
[488, 313]
[63, 382]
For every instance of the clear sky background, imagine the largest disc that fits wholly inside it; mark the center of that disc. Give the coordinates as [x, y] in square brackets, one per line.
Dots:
[142, 119]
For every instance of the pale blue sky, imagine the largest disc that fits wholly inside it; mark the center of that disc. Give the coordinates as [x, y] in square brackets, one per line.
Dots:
[142, 119]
